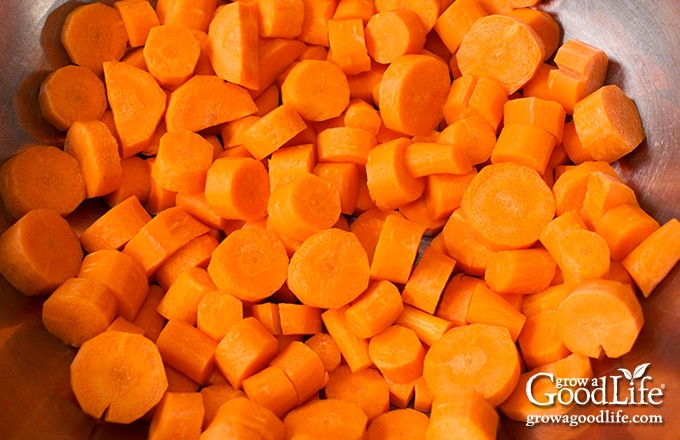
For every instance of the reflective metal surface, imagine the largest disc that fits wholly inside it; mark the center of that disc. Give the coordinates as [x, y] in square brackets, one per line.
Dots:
[642, 40]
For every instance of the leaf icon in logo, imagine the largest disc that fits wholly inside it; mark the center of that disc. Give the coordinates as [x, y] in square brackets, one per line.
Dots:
[627, 374]
[640, 371]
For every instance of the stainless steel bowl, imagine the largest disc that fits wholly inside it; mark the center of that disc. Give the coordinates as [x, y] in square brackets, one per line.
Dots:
[642, 40]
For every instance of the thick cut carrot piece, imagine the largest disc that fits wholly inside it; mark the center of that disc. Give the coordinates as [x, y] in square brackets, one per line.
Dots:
[390, 34]
[474, 134]
[147, 318]
[507, 205]
[571, 184]
[96, 150]
[315, 24]
[488, 307]
[327, 350]
[397, 353]
[40, 251]
[187, 349]
[138, 18]
[444, 192]
[116, 226]
[353, 348]
[361, 114]
[299, 319]
[400, 423]
[417, 211]
[317, 89]
[217, 312]
[396, 249]
[304, 206]
[178, 415]
[71, 93]
[650, 261]
[600, 317]
[182, 161]
[195, 253]
[78, 310]
[41, 177]
[423, 398]
[214, 395]
[367, 227]
[195, 204]
[428, 280]
[624, 227]
[401, 394]
[426, 158]
[93, 34]
[345, 177]
[464, 413]
[429, 328]
[206, 101]
[348, 45]
[455, 300]
[486, 51]
[246, 349]
[162, 236]
[412, 93]
[603, 192]
[137, 103]
[183, 296]
[427, 10]
[271, 388]
[280, 19]
[475, 96]
[366, 388]
[272, 131]
[334, 418]
[572, 144]
[580, 59]
[539, 342]
[461, 244]
[250, 263]
[121, 274]
[483, 356]
[375, 310]
[345, 144]
[546, 299]
[456, 20]
[98, 367]
[545, 26]
[545, 114]
[521, 271]
[608, 124]
[329, 270]
[242, 418]
[232, 43]
[238, 188]
[303, 367]
[191, 14]
[171, 53]
[135, 181]
[389, 182]
[288, 163]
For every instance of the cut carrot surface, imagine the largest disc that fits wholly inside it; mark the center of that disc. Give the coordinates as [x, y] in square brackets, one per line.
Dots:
[311, 219]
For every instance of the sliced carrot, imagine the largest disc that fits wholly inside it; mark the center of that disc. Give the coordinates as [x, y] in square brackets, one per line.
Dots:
[570, 185]
[178, 415]
[401, 394]
[397, 353]
[240, 417]
[196, 204]
[115, 227]
[546, 299]
[345, 144]
[583, 60]
[603, 192]
[97, 369]
[217, 312]
[303, 367]
[572, 144]
[461, 244]
[190, 14]
[78, 310]
[71, 93]
[512, 64]
[348, 45]
[345, 177]
[507, 205]
[423, 397]
[238, 188]
[545, 25]
[366, 388]
[41, 177]
[456, 20]
[520, 271]
[138, 18]
[272, 389]
[183, 296]
[488, 307]
[412, 93]
[214, 395]
[182, 161]
[600, 317]
[396, 249]
[405, 423]
[315, 24]
[287, 163]
[280, 19]
[272, 131]
[539, 342]
[375, 310]
[417, 211]
[171, 53]
[353, 348]
[428, 280]
[195, 253]
[444, 192]
[455, 300]
[482, 356]
[328, 351]
[137, 103]
[429, 328]
[427, 10]
[299, 319]
[542, 113]
[390, 34]
[335, 418]
[463, 413]
[361, 114]
[135, 181]
[426, 158]
[472, 95]
[147, 318]
[121, 324]
[187, 349]
[93, 34]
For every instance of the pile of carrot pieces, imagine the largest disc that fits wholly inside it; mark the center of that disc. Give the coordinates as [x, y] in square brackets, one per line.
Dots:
[330, 218]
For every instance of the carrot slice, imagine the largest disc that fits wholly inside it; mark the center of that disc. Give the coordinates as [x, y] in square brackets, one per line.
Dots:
[366, 388]
[427, 10]
[178, 415]
[539, 343]
[397, 353]
[238, 188]
[272, 131]
[171, 53]
[375, 310]
[489, 307]
[240, 417]
[464, 413]
[428, 327]
[182, 298]
[390, 34]
[182, 161]
[507, 205]
[271, 388]
[347, 42]
[405, 423]
[303, 367]
[480, 356]
[188, 350]
[138, 18]
[520, 271]
[334, 418]
[191, 14]
[328, 351]
[396, 249]
[99, 371]
[426, 284]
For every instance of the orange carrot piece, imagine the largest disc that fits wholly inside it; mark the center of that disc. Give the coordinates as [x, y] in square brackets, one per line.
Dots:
[268, 315]
[271, 388]
[367, 227]
[545, 26]
[116, 226]
[195, 253]
[472, 95]
[608, 124]
[187, 349]
[217, 312]
[335, 418]
[315, 24]
[206, 101]
[147, 318]
[429, 328]
[390, 34]
[546, 299]
[78, 310]
[182, 161]
[361, 114]
[214, 395]
[71, 93]
[196, 204]
[171, 53]
[611, 327]
[121, 274]
[24, 179]
[303, 367]
[178, 415]
[353, 348]
[521, 271]
[546, 114]
[491, 366]
[138, 18]
[375, 310]
[345, 177]
[474, 134]
[456, 20]
[426, 158]
[272, 131]
[238, 188]
[135, 118]
[366, 388]
[135, 181]
[96, 150]
[603, 192]
[246, 349]
[444, 192]
[539, 342]
[93, 34]
[162, 236]
[287, 163]
[580, 59]
[329, 270]
[514, 217]
[650, 261]
[405, 423]
[428, 10]
[317, 89]
[426, 284]
[396, 249]
[121, 324]
[455, 299]
[328, 351]
[571, 184]
[345, 144]
[512, 64]
[299, 319]
[463, 413]
[240, 417]
[183, 296]
[412, 93]
[191, 14]
[348, 45]
[418, 212]
[397, 353]
[572, 144]
[461, 244]
[488, 307]
[525, 144]
[280, 19]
